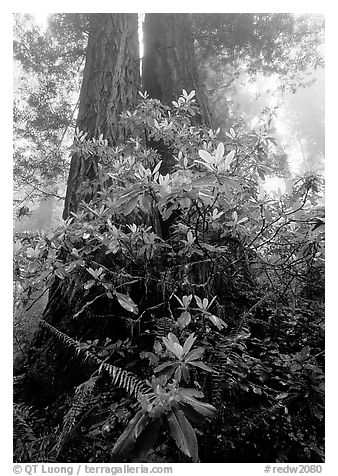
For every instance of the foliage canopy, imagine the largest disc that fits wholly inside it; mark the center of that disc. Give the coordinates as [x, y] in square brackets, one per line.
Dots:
[198, 281]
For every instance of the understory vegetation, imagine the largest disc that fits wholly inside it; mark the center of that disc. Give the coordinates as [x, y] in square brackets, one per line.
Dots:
[192, 304]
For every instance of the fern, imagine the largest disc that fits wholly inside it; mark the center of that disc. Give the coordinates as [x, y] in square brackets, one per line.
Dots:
[28, 446]
[225, 354]
[42, 448]
[120, 378]
[22, 431]
[253, 417]
[80, 401]
[163, 326]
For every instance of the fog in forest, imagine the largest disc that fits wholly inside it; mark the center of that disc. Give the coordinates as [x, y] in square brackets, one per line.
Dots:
[169, 239]
[297, 123]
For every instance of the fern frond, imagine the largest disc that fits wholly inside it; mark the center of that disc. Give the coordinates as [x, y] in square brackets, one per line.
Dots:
[80, 401]
[120, 378]
[42, 448]
[22, 428]
[252, 417]
[240, 332]
[23, 433]
[163, 326]
[224, 357]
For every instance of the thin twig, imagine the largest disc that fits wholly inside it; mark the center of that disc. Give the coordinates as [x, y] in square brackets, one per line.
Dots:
[35, 300]
[87, 304]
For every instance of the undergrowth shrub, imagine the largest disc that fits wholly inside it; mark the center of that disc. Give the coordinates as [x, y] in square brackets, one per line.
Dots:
[195, 281]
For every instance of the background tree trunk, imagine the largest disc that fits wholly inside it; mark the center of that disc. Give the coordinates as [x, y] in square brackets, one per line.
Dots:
[169, 63]
[110, 83]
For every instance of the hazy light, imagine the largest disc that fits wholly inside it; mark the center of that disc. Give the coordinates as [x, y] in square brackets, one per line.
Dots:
[274, 184]
[140, 38]
[41, 19]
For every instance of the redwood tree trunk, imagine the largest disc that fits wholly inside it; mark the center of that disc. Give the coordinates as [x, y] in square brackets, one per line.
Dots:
[110, 84]
[169, 63]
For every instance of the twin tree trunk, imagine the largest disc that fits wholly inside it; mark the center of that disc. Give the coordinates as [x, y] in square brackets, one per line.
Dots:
[110, 85]
[111, 81]
[169, 63]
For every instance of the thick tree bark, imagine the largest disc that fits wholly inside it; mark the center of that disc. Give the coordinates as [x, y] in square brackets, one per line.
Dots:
[169, 63]
[110, 84]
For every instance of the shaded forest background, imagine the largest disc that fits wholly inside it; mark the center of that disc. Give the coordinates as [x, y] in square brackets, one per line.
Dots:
[192, 252]
[237, 94]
